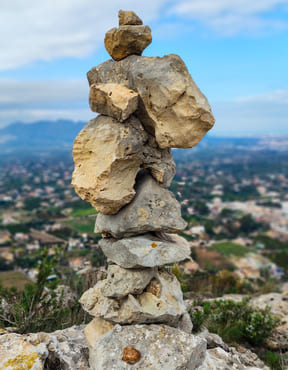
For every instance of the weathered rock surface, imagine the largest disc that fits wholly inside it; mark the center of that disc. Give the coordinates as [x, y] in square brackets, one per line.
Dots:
[152, 209]
[107, 157]
[171, 106]
[64, 349]
[146, 250]
[161, 347]
[218, 359]
[15, 353]
[127, 40]
[120, 282]
[113, 100]
[128, 18]
[161, 306]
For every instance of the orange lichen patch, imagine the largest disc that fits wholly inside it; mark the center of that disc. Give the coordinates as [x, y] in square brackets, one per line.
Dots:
[131, 355]
[154, 245]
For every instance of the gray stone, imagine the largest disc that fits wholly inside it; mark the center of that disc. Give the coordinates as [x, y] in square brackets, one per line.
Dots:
[152, 209]
[128, 18]
[120, 282]
[113, 100]
[146, 250]
[161, 306]
[171, 106]
[185, 323]
[108, 156]
[127, 40]
[161, 347]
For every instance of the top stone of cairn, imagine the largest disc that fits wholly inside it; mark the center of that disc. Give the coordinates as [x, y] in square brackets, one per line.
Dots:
[130, 38]
[129, 18]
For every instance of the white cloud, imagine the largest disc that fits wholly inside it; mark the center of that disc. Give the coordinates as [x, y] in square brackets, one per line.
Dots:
[258, 114]
[34, 30]
[29, 101]
[230, 17]
[44, 30]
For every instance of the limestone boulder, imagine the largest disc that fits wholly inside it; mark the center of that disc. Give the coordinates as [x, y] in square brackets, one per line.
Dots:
[160, 346]
[128, 18]
[153, 208]
[171, 106]
[146, 250]
[127, 40]
[108, 155]
[16, 353]
[161, 302]
[121, 282]
[113, 100]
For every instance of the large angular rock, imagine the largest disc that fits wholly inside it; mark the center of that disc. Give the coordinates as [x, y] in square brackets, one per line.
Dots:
[146, 250]
[127, 40]
[152, 209]
[161, 302]
[113, 100]
[171, 106]
[161, 347]
[128, 18]
[107, 157]
[122, 282]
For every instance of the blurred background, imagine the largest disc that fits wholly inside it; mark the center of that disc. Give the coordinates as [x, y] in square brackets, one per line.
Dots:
[232, 186]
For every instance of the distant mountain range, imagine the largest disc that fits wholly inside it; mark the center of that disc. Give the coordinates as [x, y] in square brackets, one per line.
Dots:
[51, 136]
[39, 136]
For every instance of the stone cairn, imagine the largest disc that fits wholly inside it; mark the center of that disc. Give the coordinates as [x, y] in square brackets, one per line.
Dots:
[123, 167]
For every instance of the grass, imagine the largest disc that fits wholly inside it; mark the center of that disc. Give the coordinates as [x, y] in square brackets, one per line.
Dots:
[15, 279]
[82, 212]
[230, 249]
[81, 226]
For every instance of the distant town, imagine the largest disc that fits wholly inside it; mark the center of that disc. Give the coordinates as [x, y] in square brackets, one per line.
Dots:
[234, 199]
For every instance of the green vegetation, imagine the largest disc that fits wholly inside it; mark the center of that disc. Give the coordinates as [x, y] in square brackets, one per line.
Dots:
[81, 225]
[228, 249]
[235, 322]
[34, 309]
[81, 212]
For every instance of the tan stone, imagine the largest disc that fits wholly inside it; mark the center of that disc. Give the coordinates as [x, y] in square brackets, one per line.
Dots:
[108, 155]
[171, 106]
[113, 100]
[95, 329]
[127, 40]
[128, 18]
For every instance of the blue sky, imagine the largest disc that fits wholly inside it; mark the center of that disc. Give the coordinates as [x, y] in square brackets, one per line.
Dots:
[236, 51]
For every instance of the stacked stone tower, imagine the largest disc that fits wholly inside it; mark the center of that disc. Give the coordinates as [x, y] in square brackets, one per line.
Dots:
[123, 167]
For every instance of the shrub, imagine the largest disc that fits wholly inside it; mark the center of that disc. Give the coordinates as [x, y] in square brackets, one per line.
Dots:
[235, 321]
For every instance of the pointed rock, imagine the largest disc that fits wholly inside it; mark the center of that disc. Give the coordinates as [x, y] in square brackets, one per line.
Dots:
[171, 105]
[108, 155]
[121, 282]
[146, 250]
[127, 40]
[152, 209]
[166, 306]
[113, 100]
[128, 18]
[160, 346]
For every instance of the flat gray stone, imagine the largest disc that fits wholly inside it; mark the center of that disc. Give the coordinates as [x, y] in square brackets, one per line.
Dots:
[146, 250]
[160, 346]
[121, 282]
[153, 208]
